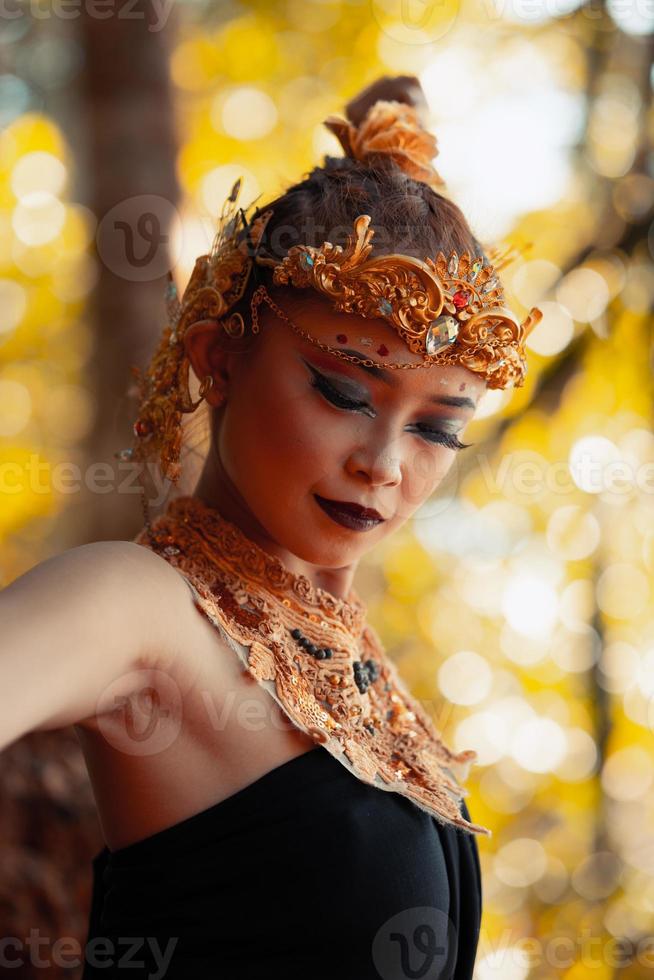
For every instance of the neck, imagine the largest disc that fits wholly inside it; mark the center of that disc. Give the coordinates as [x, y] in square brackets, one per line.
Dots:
[216, 490]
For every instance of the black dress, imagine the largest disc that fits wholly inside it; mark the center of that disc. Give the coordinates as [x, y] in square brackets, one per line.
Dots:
[309, 873]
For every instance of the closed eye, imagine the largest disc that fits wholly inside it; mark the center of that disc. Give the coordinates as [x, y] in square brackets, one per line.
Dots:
[340, 400]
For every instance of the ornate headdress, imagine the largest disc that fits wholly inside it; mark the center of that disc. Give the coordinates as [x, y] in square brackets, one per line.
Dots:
[450, 309]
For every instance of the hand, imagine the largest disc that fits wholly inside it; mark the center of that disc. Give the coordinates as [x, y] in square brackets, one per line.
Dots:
[401, 88]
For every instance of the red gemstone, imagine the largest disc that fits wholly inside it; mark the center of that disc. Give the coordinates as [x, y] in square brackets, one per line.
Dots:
[383, 350]
[341, 338]
[460, 298]
[141, 427]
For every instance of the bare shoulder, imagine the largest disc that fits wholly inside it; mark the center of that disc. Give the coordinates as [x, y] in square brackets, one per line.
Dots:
[126, 563]
[115, 555]
[95, 618]
[121, 588]
[124, 571]
[158, 595]
[175, 639]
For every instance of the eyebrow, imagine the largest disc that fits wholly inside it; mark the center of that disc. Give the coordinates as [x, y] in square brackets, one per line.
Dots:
[455, 401]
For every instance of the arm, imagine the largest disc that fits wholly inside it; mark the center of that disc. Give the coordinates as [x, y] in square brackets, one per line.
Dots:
[78, 622]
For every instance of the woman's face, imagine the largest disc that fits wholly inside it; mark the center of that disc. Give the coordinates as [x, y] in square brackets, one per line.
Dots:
[300, 423]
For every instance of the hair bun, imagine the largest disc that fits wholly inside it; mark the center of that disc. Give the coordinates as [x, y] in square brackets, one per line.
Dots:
[390, 130]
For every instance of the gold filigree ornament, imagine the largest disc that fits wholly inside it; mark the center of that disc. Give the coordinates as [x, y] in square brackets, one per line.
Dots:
[449, 309]
[217, 282]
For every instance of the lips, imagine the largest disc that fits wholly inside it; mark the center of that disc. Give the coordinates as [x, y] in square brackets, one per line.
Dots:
[365, 513]
[349, 514]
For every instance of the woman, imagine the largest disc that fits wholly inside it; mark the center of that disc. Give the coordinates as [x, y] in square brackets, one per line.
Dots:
[237, 755]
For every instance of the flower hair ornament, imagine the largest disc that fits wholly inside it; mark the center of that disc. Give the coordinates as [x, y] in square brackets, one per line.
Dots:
[450, 309]
[390, 130]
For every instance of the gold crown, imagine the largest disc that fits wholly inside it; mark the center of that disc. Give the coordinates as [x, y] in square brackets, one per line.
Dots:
[448, 309]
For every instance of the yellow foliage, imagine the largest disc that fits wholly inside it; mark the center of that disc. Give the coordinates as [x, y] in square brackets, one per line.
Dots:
[249, 49]
[25, 488]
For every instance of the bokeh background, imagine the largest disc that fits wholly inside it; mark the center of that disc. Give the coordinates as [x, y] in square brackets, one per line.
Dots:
[519, 602]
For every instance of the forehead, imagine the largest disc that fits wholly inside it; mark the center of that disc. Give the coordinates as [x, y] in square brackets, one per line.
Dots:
[370, 338]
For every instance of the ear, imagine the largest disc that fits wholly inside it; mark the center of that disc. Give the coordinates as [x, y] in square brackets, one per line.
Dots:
[203, 348]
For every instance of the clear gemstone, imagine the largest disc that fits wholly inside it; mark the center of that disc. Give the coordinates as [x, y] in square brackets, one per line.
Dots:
[442, 332]
[475, 270]
[453, 264]
[491, 284]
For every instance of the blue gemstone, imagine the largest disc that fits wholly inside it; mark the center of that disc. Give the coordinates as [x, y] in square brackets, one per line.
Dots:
[385, 307]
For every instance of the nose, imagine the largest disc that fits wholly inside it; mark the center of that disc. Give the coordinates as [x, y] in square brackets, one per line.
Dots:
[379, 467]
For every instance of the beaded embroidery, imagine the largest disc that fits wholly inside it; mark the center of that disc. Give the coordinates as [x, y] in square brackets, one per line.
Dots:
[316, 655]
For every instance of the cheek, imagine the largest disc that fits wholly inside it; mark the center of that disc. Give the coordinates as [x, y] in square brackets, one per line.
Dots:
[425, 470]
[276, 438]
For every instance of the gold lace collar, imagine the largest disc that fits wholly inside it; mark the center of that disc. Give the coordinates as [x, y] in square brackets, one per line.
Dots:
[243, 555]
[316, 656]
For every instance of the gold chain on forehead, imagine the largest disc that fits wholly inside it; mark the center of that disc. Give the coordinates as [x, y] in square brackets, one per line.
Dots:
[261, 294]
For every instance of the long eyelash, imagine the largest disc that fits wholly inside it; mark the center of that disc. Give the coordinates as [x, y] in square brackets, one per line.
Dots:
[324, 386]
[342, 401]
[449, 440]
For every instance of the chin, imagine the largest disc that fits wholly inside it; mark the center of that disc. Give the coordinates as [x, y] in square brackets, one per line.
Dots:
[309, 540]
[326, 553]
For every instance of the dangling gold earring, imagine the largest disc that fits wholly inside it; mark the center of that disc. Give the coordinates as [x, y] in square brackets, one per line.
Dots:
[205, 385]
[208, 383]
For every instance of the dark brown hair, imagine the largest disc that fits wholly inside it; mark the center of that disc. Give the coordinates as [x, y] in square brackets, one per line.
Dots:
[407, 216]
